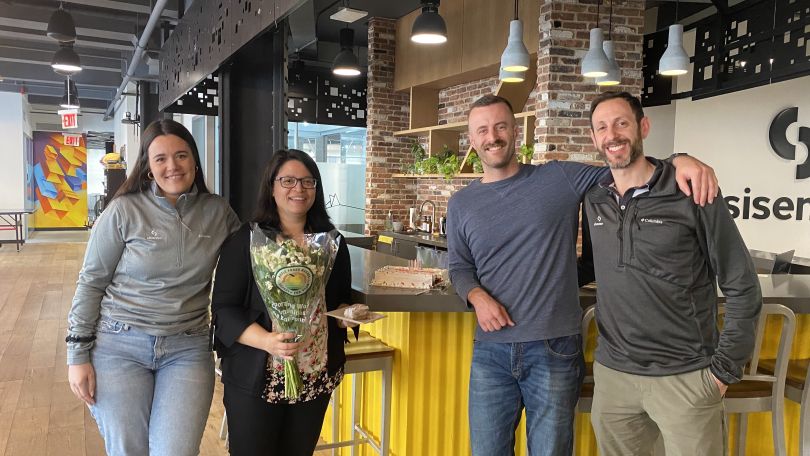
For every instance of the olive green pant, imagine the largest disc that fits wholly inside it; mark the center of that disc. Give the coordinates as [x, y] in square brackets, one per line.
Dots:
[630, 411]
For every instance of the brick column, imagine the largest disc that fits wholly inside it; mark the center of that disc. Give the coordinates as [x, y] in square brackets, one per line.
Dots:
[564, 96]
[386, 154]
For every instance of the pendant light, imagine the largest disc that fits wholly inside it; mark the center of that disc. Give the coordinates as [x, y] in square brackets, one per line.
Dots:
[595, 63]
[429, 27]
[61, 26]
[675, 60]
[71, 98]
[65, 61]
[614, 74]
[515, 57]
[511, 76]
[345, 63]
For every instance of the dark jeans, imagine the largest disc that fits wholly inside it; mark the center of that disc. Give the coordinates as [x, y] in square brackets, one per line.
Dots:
[256, 427]
[543, 376]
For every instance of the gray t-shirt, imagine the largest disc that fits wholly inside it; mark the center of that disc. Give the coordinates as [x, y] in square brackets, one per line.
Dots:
[516, 239]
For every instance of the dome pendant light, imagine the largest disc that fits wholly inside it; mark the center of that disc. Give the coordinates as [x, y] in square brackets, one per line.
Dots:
[61, 26]
[429, 26]
[345, 63]
[675, 60]
[515, 57]
[65, 61]
[71, 98]
[595, 63]
[614, 74]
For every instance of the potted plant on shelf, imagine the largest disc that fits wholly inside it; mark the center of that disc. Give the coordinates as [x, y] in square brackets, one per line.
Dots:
[526, 153]
[475, 161]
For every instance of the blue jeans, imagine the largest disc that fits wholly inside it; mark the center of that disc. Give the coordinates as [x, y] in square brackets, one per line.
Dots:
[153, 393]
[543, 376]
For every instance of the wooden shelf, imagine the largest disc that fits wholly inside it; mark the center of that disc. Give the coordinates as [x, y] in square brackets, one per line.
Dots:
[439, 176]
[455, 126]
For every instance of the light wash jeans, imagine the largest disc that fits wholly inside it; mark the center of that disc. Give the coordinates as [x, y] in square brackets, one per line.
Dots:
[153, 393]
[543, 376]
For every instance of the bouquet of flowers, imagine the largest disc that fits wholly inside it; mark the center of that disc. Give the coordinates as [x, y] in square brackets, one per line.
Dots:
[291, 278]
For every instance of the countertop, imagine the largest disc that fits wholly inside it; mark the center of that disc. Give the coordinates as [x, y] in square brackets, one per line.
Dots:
[419, 237]
[789, 289]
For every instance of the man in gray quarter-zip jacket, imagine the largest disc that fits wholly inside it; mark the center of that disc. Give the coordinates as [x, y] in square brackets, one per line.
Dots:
[660, 363]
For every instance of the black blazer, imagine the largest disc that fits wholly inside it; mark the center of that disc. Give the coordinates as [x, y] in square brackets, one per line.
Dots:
[236, 304]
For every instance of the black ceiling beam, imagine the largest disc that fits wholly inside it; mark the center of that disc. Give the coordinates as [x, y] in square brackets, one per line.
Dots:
[721, 5]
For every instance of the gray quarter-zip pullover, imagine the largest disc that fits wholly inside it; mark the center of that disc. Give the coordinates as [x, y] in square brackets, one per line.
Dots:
[149, 264]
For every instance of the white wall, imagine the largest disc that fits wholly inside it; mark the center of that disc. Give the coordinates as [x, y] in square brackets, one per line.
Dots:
[14, 120]
[660, 143]
[730, 133]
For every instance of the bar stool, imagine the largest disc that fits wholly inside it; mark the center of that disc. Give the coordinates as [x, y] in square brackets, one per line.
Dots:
[797, 385]
[367, 354]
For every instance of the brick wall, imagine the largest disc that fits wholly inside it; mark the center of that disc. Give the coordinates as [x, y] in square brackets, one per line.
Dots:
[562, 128]
[386, 154]
[561, 97]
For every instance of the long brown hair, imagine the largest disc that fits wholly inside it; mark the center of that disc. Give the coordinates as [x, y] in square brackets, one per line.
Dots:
[138, 180]
[266, 213]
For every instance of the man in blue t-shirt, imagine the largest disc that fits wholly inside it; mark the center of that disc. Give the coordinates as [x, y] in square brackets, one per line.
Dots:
[512, 246]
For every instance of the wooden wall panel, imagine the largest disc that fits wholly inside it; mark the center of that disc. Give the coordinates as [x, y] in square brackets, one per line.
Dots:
[476, 36]
[420, 64]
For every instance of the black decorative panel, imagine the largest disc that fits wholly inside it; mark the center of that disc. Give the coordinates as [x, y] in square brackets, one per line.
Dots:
[316, 95]
[203, 99]
[342, 101]
[756, 43]
[210, 33]
[791, 44]
[302, 95]
[657, 89]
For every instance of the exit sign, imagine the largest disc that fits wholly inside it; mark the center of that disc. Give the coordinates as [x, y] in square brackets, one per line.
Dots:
[70, 118]
[73, 140]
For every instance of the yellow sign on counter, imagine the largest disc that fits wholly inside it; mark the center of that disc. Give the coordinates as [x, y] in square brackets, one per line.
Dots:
[385, 240]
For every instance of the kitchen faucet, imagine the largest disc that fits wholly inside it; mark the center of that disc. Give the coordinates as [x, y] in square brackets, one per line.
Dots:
[433, 213]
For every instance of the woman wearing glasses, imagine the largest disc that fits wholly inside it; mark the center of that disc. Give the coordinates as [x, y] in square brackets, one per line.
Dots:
[261, 420]
[138, 344]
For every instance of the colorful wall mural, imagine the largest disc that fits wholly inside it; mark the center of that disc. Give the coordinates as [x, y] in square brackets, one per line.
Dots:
[60, 179]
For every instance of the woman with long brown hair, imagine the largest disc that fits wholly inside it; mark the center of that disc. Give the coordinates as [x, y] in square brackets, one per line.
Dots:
[138, 331]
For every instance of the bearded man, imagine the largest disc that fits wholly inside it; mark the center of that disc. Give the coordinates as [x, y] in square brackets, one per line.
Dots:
[661, 365]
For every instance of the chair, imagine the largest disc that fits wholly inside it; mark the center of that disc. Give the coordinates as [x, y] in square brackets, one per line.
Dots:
[797, 385]
[762, 392]
[586, 392]
[365, 355]
[223, 427]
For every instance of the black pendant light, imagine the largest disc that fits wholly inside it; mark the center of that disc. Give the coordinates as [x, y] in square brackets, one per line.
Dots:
[65, 61]
[61, 26]
[71, 98]
[345, 63]
[429, 26]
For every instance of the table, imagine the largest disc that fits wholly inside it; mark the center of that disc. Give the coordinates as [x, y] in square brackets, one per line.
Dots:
[11, 219]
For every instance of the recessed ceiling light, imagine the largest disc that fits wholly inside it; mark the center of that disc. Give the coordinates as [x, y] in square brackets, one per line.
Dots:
[348, 15]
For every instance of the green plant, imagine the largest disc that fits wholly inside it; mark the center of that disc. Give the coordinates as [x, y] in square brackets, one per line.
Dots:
[475, 161]
[449, 167]
[526, 153]
[418, 151]
[430, 165]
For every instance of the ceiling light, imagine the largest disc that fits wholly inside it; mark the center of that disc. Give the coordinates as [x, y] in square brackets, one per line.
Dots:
[429, 27]
[61, 27]
[348, 15]
[515, 57]
[511, 76]
[66, 61]
[675, 61]
[71, 98]
[614, 74]
[595, 63]
[345, 63]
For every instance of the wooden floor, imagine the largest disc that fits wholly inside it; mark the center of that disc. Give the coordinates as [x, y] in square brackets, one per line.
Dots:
[38, 413]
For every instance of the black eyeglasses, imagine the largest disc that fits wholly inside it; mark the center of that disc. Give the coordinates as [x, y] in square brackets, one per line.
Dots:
[291, 182]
